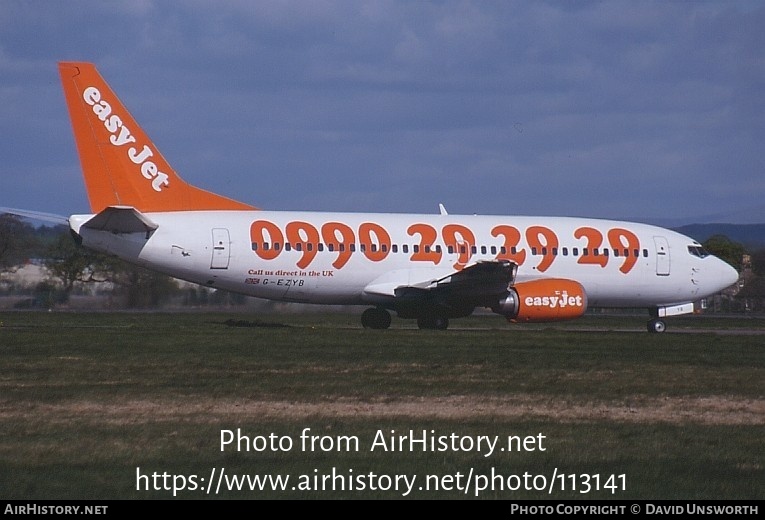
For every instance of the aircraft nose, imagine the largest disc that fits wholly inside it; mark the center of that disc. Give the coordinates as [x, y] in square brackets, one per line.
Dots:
[727, 275]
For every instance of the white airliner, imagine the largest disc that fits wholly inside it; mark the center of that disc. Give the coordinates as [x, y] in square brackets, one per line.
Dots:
[424, 267]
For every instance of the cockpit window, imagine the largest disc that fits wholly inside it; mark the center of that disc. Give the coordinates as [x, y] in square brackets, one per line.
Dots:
[698, 251]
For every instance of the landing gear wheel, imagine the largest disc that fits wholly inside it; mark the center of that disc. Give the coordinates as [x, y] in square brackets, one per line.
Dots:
[657, 325]
[375, 318]
[433, 322]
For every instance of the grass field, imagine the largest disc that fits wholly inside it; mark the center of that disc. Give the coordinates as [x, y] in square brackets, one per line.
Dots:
[132, 406]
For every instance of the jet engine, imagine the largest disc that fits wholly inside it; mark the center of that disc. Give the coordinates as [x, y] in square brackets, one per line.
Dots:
[549, 299]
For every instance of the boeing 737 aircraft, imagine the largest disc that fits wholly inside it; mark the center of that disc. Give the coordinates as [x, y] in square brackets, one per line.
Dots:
[425, 267]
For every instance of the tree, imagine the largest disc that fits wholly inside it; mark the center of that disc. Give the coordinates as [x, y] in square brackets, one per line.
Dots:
[142, 288]
[17, 240]
[725, 249]
[752, 294]
[70, 264]
[758, 262]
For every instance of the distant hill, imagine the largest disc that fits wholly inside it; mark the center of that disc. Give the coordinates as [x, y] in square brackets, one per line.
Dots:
[746, 215]
[751, 235]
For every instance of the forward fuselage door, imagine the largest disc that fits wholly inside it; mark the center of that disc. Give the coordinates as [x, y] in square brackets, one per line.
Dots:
[662, 256]
[221, 252]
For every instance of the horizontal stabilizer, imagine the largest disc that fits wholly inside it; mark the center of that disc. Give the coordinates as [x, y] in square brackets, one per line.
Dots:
[36, 215]
[121, 219]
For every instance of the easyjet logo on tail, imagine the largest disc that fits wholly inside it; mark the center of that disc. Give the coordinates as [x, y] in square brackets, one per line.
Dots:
[122, 136]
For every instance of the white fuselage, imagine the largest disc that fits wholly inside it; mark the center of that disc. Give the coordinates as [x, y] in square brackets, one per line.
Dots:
[360, 258]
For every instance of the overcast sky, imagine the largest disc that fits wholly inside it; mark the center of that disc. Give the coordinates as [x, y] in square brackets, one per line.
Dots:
[630, 109]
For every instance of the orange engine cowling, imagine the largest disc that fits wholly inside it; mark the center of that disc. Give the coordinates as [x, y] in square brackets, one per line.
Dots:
[550, 299]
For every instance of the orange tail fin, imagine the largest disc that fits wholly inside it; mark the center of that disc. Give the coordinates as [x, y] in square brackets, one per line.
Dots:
[121, 165]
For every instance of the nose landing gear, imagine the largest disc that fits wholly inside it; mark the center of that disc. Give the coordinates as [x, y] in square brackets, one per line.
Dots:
[656, 325]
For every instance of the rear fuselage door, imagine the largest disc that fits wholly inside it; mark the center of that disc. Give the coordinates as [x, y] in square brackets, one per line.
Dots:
[221, 249]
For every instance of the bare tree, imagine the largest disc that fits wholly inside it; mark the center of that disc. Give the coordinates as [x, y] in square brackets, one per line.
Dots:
[70, 264]
[17, 239]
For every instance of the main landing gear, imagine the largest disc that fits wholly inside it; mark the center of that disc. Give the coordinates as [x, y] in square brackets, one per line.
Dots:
[433, 322]
[375, 318]
[379, 318]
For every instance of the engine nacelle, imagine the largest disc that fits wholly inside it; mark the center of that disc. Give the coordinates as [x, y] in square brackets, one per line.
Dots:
[549, 299]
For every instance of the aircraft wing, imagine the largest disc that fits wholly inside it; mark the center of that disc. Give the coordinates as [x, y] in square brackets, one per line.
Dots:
[477, 281]
[479, 284]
